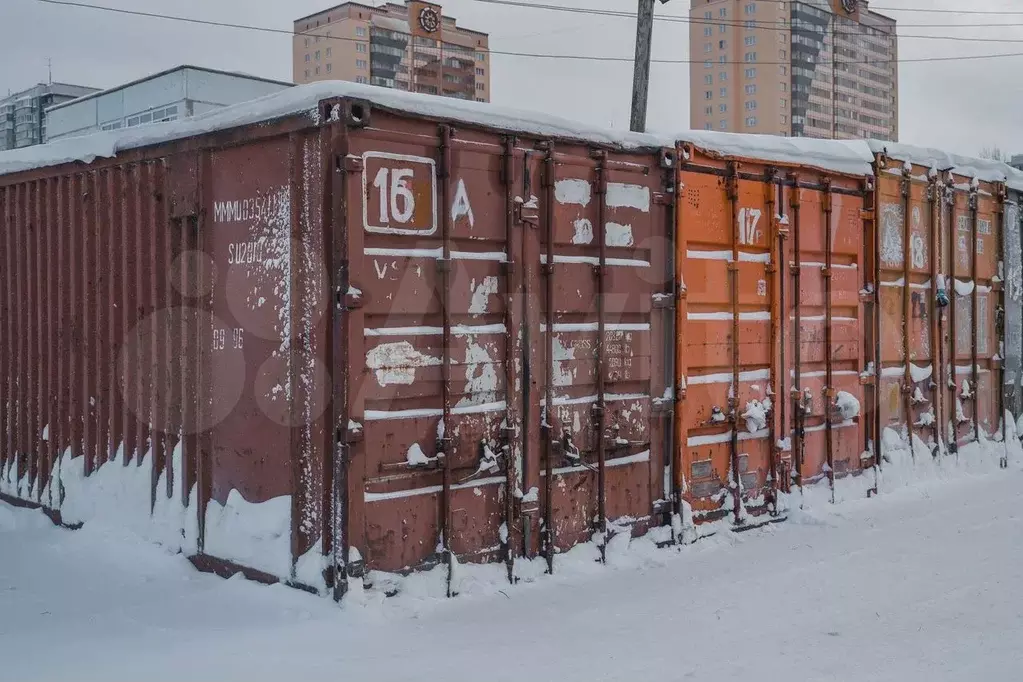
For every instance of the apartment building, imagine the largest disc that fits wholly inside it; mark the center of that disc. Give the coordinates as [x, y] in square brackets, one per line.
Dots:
[412, 47]
[23, 116]
[806, 68]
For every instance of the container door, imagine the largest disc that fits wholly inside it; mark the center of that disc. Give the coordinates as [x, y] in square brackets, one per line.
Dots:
[604, 247]
[727, 427]
[433, 382]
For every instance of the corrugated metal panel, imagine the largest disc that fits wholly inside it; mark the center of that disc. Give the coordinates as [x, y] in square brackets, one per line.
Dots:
[772, 330]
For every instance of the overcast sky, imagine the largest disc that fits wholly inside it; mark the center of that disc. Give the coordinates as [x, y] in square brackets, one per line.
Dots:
[956, 105]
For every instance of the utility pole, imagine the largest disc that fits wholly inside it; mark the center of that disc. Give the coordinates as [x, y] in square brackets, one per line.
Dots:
[641, 68]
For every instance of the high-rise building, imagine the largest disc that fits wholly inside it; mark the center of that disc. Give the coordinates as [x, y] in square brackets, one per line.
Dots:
[23, 114]
[412, 47]
[805, 68]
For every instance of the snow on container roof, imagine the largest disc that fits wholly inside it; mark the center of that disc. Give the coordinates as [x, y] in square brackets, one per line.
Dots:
[305, 99]
[852, 157]
[984, 170]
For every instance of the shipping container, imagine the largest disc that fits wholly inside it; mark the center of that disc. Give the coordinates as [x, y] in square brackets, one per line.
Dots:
[942, 314]
[773, 329]
[343, 329]
[390, 334]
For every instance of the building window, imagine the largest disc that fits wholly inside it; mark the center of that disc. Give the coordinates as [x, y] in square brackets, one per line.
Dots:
[707, 47]
[307, 42]
[707, 64]
[360, 31]
[751, 121]
[328, 51]
[723, 12]
[784, 103]
[750, 8]
[783, 70]
[751, 105]
[723, 76]
[479, 72]
[721, 44]
[709, 111]
[708, 79]
[784, 118]
[360, 47]
[722, 108]
[783, 87]
[750, 40]
[722, 28]
[481, 56]
[317, 55]
[708, 15]
[751, 56]
[706, 126]
[782, 38]
[708, 31]
[751, 89]
[723, 125]
[709, 94]
[479, 86]
[360, 79]
[721, 59]
[329, 67]
[782, 54]
[307, 74]
[308, 57]
[724, 92]
[317, 71]
[751, 73]
[751, 24]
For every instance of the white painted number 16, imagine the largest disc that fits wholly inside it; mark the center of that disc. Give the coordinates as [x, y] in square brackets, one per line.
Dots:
[390, 206]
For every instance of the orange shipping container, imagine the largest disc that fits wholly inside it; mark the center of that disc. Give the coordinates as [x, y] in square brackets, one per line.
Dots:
[772, 333]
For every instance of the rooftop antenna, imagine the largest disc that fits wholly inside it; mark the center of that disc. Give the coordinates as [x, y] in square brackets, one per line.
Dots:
[49, 70]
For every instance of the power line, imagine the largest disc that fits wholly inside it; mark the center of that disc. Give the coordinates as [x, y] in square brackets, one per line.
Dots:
[672, 19]
[509, 53]
[925, 10]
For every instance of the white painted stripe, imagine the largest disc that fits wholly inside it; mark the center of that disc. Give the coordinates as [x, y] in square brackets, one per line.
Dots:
[592, 327]
[437, 253]
[458, 330]
[619, 462]
[696, 441]
[608, 398]
[744, 256]
[432, 490]
[726, 377]
[381, 415]
[822, 427]
[743, 317]
[594, 260]
[824, 373]
[818, 264]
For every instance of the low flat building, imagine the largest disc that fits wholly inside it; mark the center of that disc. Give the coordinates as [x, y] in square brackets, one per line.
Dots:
[180, 92]
[23, 115]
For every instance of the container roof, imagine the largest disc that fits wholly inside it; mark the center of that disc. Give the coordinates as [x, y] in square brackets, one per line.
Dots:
[851, 157]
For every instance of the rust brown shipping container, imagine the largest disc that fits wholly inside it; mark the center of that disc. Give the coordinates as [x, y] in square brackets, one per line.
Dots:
[940, 275]
[773, 327]
[375, 332]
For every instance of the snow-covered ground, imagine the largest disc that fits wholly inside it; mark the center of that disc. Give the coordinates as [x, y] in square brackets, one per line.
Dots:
[922, 583]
